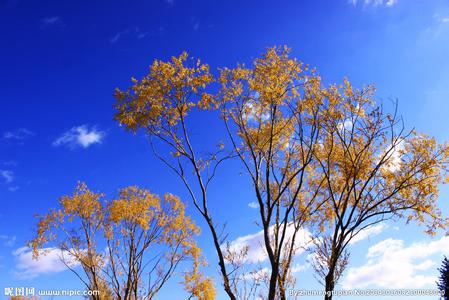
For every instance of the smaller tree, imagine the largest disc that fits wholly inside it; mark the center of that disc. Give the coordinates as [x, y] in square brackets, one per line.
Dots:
[443, 280]
[128, 248]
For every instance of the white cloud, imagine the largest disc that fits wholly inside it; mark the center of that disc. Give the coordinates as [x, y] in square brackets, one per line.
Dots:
[388, 3]
[8, 176]
[300, 267]
[80, 136]
[257, 275]
[19, 134]
[391, 2]
[368, 232]
[394, 159]
[253, 205]
[392, 264]
[49, 262]
[253, 112]
[346, 125]
[256, 248]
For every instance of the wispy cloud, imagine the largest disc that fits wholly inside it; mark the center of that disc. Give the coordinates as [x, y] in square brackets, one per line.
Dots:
[11, 163]
[441, 19]
[300, 267]
[387, 3]
[141, 35]
[135, 32]
[115, 38]
[13, 188]
[435, 32]
[53, 21]
[80, 136]
[18, 134]
[7, 176]
[7, 240]
[196, 25]
[253, 205]
[49, 262]
[392, 264]
[368, 232]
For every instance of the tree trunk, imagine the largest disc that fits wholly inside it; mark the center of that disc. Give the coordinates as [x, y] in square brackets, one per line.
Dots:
[273, 282]
[329, 288]
[221, 261]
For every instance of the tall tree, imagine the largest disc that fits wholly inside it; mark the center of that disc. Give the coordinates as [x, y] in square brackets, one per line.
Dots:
[159, 104]
[127, 248]
[443, 280]
[374, 170]
[272, 115]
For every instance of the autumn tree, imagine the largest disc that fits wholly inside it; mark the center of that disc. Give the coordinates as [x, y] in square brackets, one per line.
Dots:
[160, 104]
[127, 248]
[443, 279]
[374, 170]
[272, 115]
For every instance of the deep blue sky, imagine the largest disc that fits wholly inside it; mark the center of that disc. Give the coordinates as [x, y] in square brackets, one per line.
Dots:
[61, 60]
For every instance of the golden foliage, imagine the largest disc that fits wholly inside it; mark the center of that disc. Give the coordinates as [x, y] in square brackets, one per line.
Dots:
[163, 97]
[134, 226]
[325, 156]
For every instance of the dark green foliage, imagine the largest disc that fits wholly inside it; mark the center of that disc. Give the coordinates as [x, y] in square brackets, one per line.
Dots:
[443, 279]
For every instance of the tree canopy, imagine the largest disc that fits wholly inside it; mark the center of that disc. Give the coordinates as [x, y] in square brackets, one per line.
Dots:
[128, 247]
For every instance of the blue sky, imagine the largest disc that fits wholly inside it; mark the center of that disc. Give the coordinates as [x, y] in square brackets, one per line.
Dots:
[61, 60]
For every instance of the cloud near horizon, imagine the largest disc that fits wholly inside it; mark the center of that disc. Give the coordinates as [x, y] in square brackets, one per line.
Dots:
[49, 262]
[256, 248]
[392, 264]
